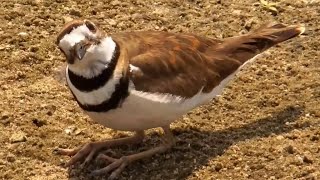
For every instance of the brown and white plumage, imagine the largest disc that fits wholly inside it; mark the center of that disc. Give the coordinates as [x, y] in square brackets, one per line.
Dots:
[140, 80]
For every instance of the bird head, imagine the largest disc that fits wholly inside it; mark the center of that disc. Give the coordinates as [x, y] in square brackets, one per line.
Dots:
[85, 47]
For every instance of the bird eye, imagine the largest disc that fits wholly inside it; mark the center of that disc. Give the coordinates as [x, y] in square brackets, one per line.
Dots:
[90, 26]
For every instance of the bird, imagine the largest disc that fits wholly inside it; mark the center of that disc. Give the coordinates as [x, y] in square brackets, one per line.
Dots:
[138, 80]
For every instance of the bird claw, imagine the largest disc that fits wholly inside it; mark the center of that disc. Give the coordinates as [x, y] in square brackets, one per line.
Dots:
[88, 151]
[116, 166]
[67, 152]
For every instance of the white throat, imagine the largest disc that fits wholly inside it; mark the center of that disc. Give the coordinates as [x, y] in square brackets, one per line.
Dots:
[95, 60]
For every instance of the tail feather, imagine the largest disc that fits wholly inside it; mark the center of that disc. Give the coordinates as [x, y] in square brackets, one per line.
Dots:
[243, 48]
[279, 32]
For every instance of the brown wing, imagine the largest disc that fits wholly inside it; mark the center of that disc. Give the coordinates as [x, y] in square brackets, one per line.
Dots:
[183, 64]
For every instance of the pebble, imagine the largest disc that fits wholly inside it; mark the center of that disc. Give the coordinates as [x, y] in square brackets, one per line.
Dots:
[115, 3]
[5, 47]
[307, 159]
[298, 160]
[314, 138]
[18, 137]
[23, 34]
[137, 16]
[4, 116]
[67, 19]
[290, 149]
[34, 48]
[75, 12]
[72, 130]
[218, 167]
[112, 22]
[38, 122]
[236, 12]
[11, 158]
[280, 137]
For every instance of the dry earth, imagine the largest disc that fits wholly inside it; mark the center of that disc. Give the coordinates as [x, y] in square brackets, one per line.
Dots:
[264, 126]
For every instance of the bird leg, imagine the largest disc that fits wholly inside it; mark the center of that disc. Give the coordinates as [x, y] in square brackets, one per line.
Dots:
[89, 150]
[118, 165]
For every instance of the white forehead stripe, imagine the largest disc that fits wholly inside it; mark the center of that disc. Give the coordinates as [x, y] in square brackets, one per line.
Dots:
[76, 35]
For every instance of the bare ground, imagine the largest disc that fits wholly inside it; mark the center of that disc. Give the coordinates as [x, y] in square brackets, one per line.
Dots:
[264, 126]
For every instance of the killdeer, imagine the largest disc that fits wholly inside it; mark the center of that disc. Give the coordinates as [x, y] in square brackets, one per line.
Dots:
[133, 81]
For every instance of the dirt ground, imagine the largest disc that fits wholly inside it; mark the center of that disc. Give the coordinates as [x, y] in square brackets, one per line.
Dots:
[265, 125]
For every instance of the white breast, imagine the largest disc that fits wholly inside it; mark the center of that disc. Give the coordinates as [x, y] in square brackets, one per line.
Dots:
[141, 110]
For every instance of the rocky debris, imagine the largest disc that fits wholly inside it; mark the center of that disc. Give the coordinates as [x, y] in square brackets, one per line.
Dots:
[18, 137]
[72, 130]
[5, 118]
[11, 158]
[290, 149]
[218, 167]
[39, 122]
[23, 34]
[307, 159]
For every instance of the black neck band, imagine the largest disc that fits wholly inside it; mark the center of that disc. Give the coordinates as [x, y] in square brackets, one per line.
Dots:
[90, 84]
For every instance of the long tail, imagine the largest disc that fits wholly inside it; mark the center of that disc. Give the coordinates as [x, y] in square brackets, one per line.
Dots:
[243, 48]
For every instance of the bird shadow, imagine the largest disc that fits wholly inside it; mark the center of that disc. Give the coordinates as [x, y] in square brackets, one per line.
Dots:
[195, 148]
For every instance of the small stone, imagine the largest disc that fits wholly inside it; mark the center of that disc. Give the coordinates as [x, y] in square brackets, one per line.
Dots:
[279, 137]
[298, 160]
[137, 16]
[5, 121]
[236, 12]
[67, 19]
[77, 131]
[11, 158]
[272, 178]
[248, 24]
[307, 159]
[18, 137]
[311, 177]
[4, 116]
[94, 12]
[23, 34]
[49, 113]
[34, 48]
[72, 130]
[38, 122]
[314, 138]
[218, 167]
[112, 22]
[115, 3]
[75, 12]
[290, 149]
[5, 47]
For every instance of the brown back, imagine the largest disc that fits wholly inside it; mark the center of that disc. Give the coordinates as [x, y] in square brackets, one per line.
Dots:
[182, 64]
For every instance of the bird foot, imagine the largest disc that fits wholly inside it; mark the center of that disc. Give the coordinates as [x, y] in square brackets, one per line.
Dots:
[118, 165]
[115, 165]
[88, 151]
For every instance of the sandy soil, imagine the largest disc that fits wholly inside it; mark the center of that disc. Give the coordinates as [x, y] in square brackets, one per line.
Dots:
[264, 126]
